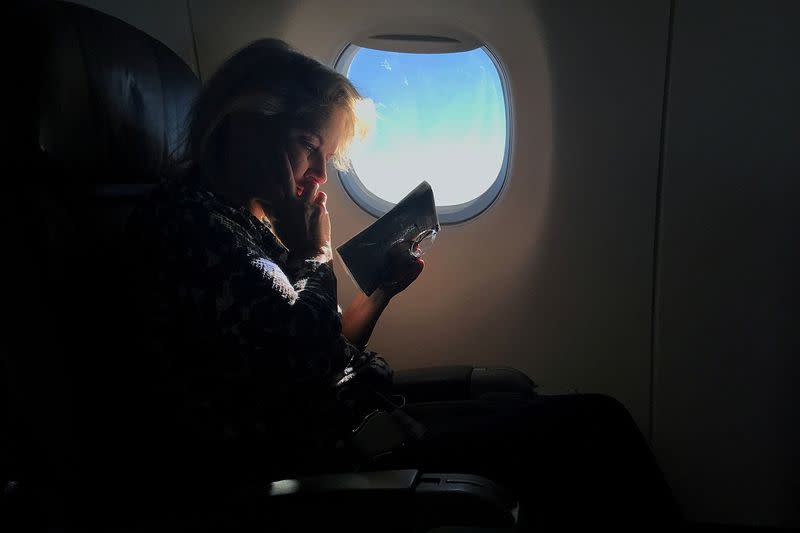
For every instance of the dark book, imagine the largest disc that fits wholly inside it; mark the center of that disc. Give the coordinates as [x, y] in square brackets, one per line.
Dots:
[409, 227]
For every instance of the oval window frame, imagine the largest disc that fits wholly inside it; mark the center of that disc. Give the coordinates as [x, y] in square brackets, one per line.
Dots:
[449, 214]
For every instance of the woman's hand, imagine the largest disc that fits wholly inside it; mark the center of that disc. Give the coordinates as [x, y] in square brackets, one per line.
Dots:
[301, 223]
[401, 269]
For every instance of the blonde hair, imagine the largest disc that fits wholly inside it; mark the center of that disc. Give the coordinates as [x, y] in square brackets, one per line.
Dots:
[270, 78]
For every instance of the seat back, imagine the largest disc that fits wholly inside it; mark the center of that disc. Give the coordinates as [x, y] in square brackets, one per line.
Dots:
[103, 107]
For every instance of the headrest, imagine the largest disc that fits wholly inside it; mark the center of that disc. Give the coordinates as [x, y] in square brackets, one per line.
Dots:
[112, 100]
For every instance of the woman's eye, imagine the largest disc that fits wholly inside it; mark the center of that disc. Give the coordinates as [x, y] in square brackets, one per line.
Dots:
[309, 147]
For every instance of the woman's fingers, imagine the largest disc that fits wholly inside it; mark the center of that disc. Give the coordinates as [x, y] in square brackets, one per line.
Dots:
[414, 269]
[402, 268]
[310, 193]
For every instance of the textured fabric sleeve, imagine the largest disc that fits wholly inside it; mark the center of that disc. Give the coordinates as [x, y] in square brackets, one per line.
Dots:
[283, 328]
[305, 315]
[296, 327]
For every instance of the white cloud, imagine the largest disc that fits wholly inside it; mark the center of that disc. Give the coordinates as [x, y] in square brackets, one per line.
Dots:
[458, 170]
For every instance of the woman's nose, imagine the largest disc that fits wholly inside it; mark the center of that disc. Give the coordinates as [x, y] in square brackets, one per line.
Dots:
[319, 171]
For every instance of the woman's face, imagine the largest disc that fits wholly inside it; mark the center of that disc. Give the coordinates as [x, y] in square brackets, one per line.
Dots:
[257, 170]
[310, 149]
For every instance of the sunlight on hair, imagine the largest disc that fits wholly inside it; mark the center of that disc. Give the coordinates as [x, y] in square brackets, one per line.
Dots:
[365, 118]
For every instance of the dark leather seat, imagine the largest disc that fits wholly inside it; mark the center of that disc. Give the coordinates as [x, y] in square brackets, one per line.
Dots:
[103, 111]
[101, 107]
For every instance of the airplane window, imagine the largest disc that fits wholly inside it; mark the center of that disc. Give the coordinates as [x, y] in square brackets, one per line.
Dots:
[438, 117]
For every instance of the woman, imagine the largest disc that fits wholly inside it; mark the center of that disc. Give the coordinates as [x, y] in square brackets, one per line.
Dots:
[249, 353]
[252, 368]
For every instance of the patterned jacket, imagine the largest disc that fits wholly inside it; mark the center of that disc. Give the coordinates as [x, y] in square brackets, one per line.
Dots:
[245, 348]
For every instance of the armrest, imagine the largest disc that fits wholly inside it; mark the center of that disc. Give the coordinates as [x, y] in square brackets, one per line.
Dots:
[448, 383]
[500, 381]
[436, 383]
[390, 500]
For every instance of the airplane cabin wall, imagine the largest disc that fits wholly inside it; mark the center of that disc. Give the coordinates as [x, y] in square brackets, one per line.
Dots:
[556, 278]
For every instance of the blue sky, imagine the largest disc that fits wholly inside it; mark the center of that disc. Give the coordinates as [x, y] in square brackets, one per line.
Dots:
[440, 118]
